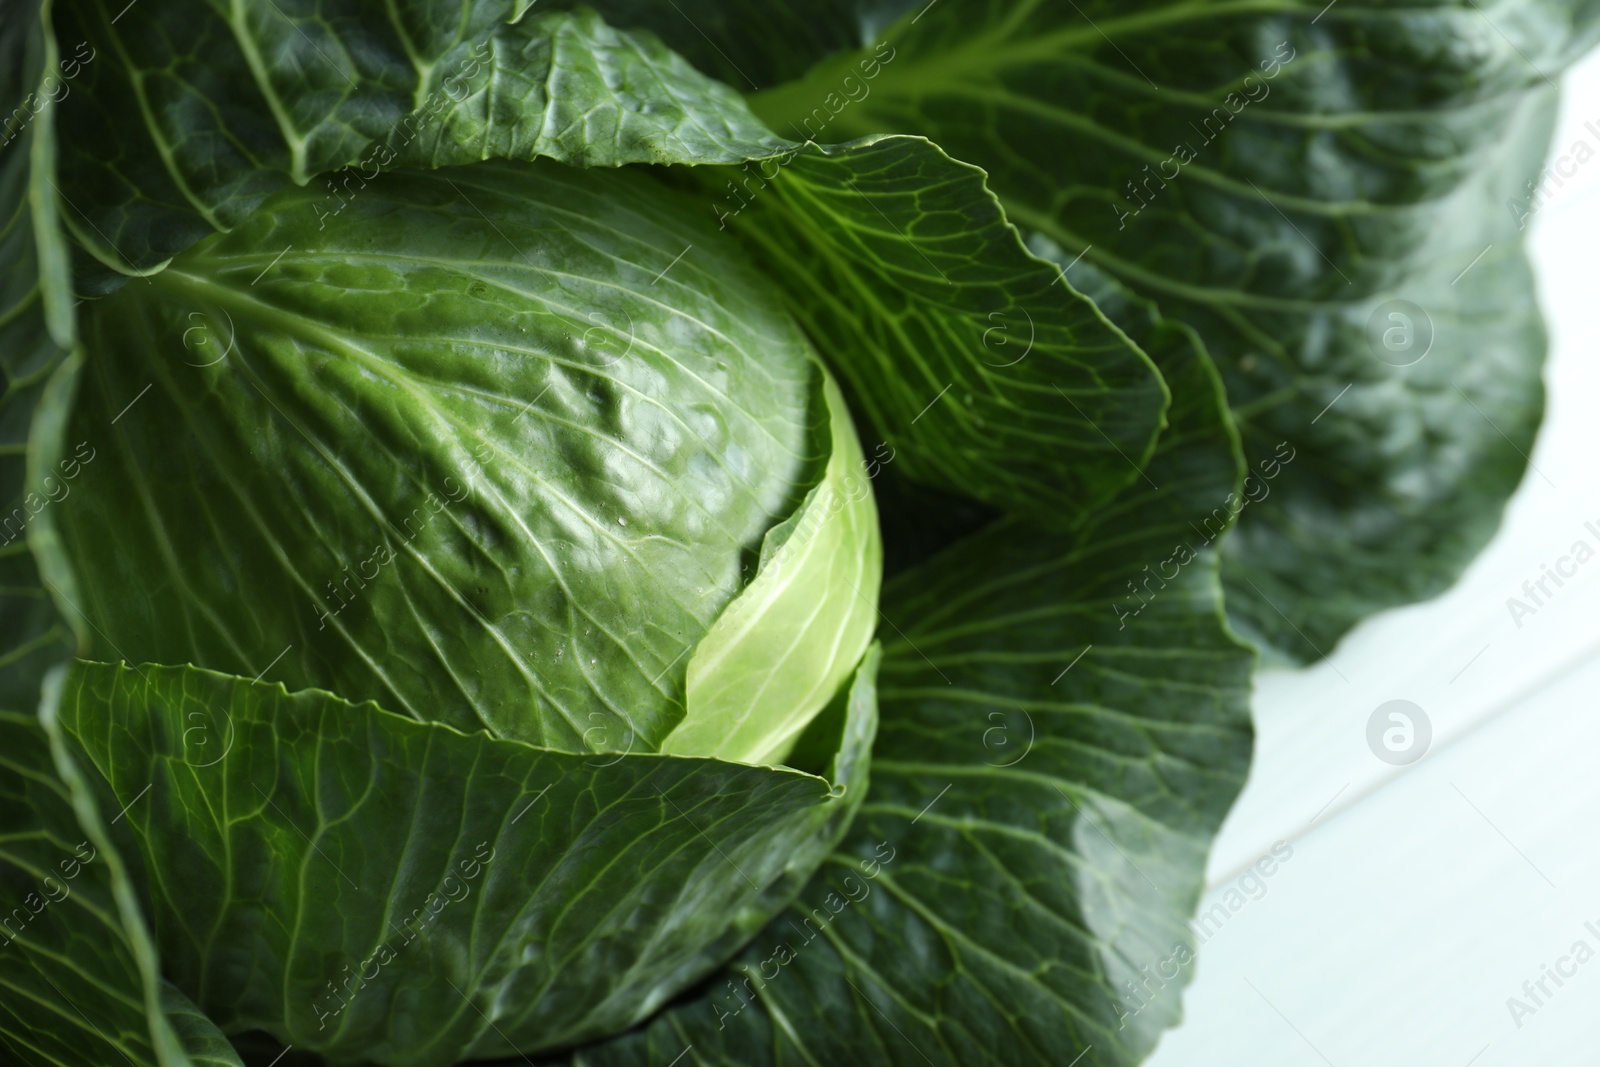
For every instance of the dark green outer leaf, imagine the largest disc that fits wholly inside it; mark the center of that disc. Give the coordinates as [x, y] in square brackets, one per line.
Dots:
[1198, 465]
[35, 337]
[382, 890]
[905, 272]
[1390, 500]
[190, 114]
[80, 973]
[76, 963]
[73, 974]
[1377, 161]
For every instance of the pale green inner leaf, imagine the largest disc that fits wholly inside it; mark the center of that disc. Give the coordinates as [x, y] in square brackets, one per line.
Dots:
[786, 644]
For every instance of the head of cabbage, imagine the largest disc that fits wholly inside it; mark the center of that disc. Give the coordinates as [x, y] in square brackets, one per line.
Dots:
[490, 572]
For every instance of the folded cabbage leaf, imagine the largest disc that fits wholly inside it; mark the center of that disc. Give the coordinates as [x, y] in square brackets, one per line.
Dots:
[376, 889]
